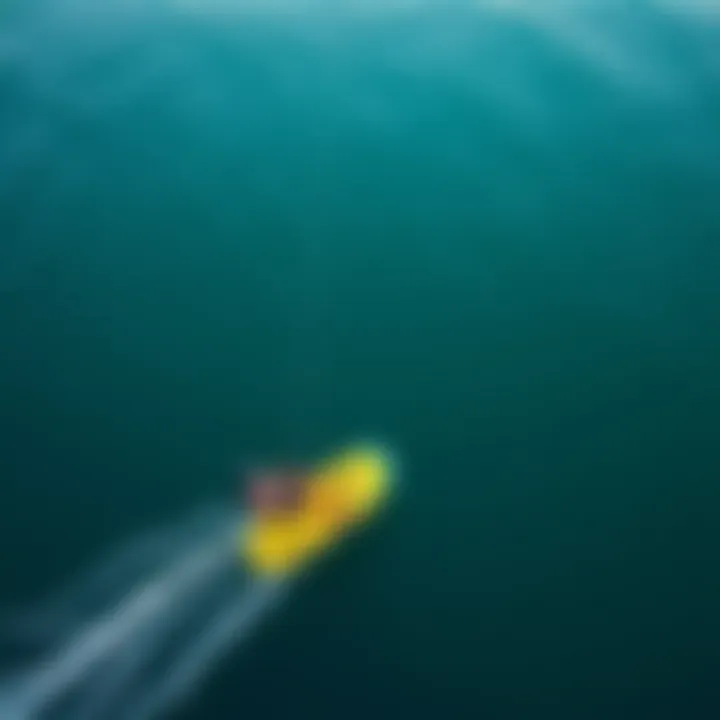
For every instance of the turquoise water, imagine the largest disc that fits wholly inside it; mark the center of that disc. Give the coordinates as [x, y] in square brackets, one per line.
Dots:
[486, 233]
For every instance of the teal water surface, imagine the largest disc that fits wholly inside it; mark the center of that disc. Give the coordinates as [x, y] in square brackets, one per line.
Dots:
[487, 233]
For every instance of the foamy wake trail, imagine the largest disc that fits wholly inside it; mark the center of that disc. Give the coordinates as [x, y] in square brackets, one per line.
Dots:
[175, 602]
[227, 630]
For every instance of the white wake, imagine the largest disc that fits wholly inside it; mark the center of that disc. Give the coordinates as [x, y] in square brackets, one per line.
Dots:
[141, 630]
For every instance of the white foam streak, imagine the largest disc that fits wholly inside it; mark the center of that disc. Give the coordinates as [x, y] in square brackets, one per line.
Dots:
[229, 629]
[103, 636]
[156, 640]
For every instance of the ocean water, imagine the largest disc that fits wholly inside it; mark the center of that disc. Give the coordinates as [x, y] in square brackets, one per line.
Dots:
[486, 233]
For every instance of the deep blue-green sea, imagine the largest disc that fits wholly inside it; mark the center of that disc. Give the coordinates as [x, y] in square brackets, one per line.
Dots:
[486, 234]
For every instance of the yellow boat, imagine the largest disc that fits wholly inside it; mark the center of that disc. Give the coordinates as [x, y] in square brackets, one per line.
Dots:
[341, 494]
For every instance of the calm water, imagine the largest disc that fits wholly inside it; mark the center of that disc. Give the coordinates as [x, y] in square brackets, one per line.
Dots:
[489, 236]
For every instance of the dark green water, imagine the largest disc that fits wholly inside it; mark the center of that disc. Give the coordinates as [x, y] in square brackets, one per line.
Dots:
[491, 238]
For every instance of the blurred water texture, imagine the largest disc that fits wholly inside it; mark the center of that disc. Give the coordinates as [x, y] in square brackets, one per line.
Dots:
[484, 232]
